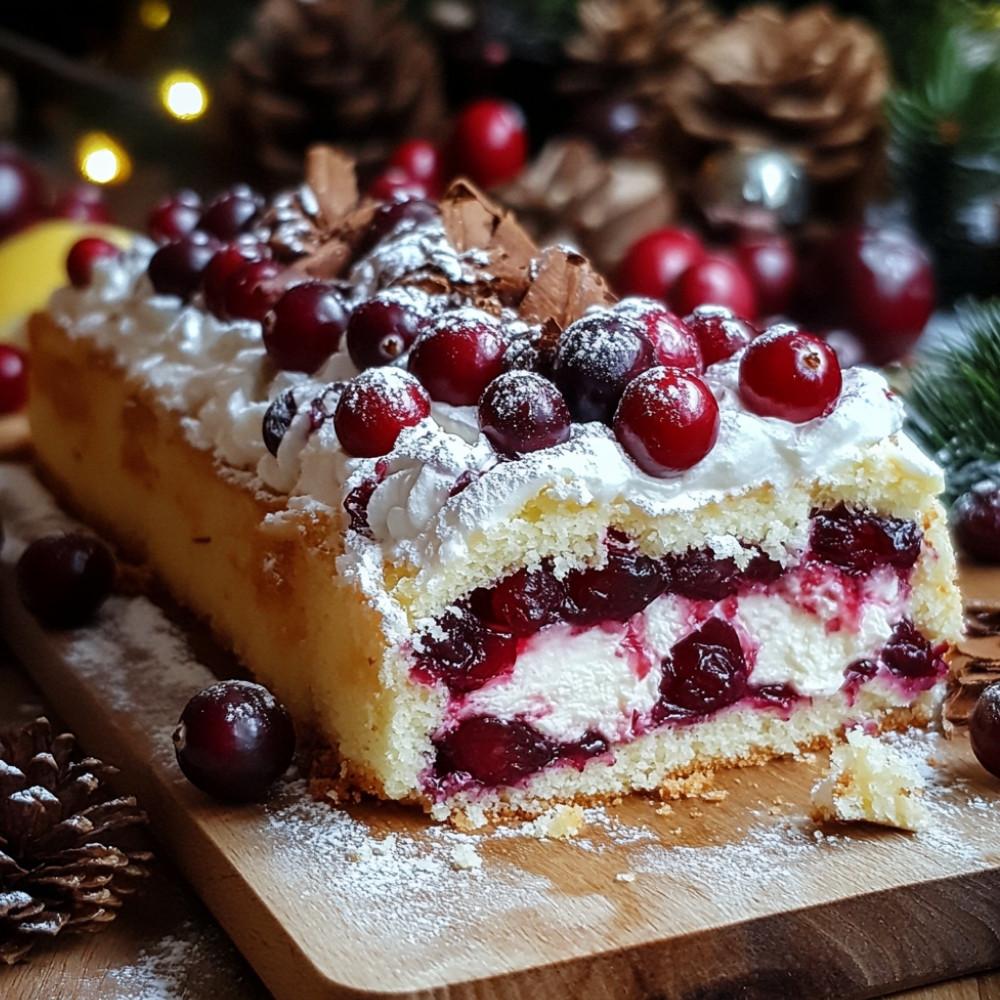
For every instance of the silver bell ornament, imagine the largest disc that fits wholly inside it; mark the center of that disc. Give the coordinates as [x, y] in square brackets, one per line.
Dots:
[752, 189]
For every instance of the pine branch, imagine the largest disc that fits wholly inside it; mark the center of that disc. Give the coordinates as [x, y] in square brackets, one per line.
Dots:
[954, 399]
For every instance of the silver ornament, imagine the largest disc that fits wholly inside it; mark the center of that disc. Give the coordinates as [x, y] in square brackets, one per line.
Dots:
[760, 189]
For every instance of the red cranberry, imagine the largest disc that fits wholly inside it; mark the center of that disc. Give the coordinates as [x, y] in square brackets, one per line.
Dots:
[877, 283]
[656, 260]
[674, 342]
[423, 161]
[374, 408]
[490, 142]
[770, 262]
[463, 652]
[305, 326]
[397, 216]
[64, 578]
[621, 588]
[859, 541]
[394, 184]
[789, 374]
[174, 217]
[231, 213]
[82, 203]
[493, 752]
[382, 329]
[176, 268]
[716, 280]
[22, 191]
[528, 600]
[596, 357]
[13, 378]
[225, 262]
[82, 257]
[457, 355]
[975, 521]
[667, 421]
[720, 332]
[706, 670]
[984, 729]
[252, 288]
[909, 654]
[522, 412]
[234, 740]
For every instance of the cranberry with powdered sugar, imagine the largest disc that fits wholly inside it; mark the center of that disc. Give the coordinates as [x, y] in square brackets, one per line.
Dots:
[375, 407]
[305, 326]
[234, 740]
[458, 354]
[596, 358]
[522, 412]
[789, 374]
[381, 329]
[674, 342]
[667, 421]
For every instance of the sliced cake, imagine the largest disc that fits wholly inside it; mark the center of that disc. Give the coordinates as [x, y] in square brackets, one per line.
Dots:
[494, 538]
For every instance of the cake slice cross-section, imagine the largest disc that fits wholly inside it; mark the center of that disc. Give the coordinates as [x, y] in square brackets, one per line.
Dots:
[440, 546]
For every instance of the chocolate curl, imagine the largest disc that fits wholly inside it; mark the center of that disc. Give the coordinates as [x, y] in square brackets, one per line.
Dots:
[564, 287]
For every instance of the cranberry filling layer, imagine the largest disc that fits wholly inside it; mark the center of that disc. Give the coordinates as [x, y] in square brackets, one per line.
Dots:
[675, 634]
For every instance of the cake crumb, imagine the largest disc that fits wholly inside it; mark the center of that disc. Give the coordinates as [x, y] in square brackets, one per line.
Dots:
[465, 858]
[558, 823]
[625, 877]
[714, 795]
[871, 782]
[664, 810]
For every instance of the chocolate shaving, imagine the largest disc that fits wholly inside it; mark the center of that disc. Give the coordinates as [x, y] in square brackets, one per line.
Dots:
[982, 618]
[976, 664]
[330, 174]
[564, 287]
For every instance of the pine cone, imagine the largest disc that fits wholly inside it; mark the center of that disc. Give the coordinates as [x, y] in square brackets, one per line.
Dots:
[352, 72]
[808, 82]
[57, 870]
[571, 195]
[629, 50]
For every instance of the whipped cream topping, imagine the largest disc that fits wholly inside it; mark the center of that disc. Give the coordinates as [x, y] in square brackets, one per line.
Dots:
[443, 480]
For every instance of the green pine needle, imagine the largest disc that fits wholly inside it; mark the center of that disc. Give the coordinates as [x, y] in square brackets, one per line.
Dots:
[953, 399]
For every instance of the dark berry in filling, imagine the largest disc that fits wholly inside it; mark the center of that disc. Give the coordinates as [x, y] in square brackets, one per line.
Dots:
[463, 651]
[908, 653]
[622, 587]
[706, 670]
[493, 751]
[357, 500]
[527, 600]
[702, 575]
[859, 541]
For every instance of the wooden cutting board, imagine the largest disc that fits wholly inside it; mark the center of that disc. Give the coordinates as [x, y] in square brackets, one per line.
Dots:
[736, 895]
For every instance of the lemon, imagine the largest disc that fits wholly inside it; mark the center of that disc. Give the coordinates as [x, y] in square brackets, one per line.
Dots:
[33, 265]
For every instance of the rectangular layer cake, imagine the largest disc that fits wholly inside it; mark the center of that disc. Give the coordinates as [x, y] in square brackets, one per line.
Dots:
[478, 609]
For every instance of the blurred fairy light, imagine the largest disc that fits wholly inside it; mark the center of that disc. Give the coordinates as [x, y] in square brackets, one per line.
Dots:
[154, 14]
[102, 160]
[183, 95]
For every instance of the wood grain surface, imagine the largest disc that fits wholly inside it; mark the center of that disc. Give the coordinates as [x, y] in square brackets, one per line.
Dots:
[739, 895]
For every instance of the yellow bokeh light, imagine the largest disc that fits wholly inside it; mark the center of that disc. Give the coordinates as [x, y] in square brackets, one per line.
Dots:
[102, 160]
[183, 95]
[154, 14]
